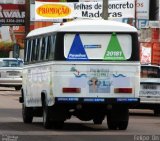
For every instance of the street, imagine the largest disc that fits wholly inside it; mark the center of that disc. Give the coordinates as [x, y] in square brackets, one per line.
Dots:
[142, 125]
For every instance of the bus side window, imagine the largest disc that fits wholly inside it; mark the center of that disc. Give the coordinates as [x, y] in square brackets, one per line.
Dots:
[28, 50]
[29, 60]
[25, 50]
[48, 49]
[33, 50]
[52, 46]
[42, 49]
[37, 46]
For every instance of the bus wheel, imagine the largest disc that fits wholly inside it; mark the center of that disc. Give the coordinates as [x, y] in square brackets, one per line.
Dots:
[27, 113]
[117, 118]
[46, 117]
[58, 124]
[112, 125]
[123, 125]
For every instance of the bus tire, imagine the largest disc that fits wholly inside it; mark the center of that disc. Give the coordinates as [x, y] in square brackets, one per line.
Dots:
[118, 118]
[27, 113]
[112, 125]
[46, 116]
[58, 124]
[123, 125]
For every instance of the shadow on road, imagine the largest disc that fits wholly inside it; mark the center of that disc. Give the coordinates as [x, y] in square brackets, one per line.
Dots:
[12, 121]
[19, 126]
[141, 112]
[37, 126]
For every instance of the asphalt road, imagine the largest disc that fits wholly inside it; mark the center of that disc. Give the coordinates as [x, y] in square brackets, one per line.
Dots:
[143, 126]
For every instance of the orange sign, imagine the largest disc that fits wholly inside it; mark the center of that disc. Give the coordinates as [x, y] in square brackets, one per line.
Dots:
[53, 10]
[156, 53]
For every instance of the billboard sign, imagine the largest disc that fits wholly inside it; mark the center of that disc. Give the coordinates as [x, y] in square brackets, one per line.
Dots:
[142, 13]
[12, 14]
[55, 10]
[142, 9]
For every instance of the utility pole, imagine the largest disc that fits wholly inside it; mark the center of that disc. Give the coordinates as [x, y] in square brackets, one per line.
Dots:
[27, 17]
[105, 10]
[135, 22]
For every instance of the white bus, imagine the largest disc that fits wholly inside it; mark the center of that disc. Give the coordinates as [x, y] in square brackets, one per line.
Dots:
[150, 88]
[85, 68]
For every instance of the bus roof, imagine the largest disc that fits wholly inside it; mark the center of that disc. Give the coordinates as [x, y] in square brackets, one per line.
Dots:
[85, 25]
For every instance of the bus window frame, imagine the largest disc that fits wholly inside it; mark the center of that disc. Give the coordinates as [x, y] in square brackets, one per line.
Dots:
[60, 43]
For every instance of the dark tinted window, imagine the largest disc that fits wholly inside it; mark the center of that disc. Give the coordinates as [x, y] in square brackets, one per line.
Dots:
[150, 72]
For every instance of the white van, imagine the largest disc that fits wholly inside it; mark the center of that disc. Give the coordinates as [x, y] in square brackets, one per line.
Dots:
[11, 72]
